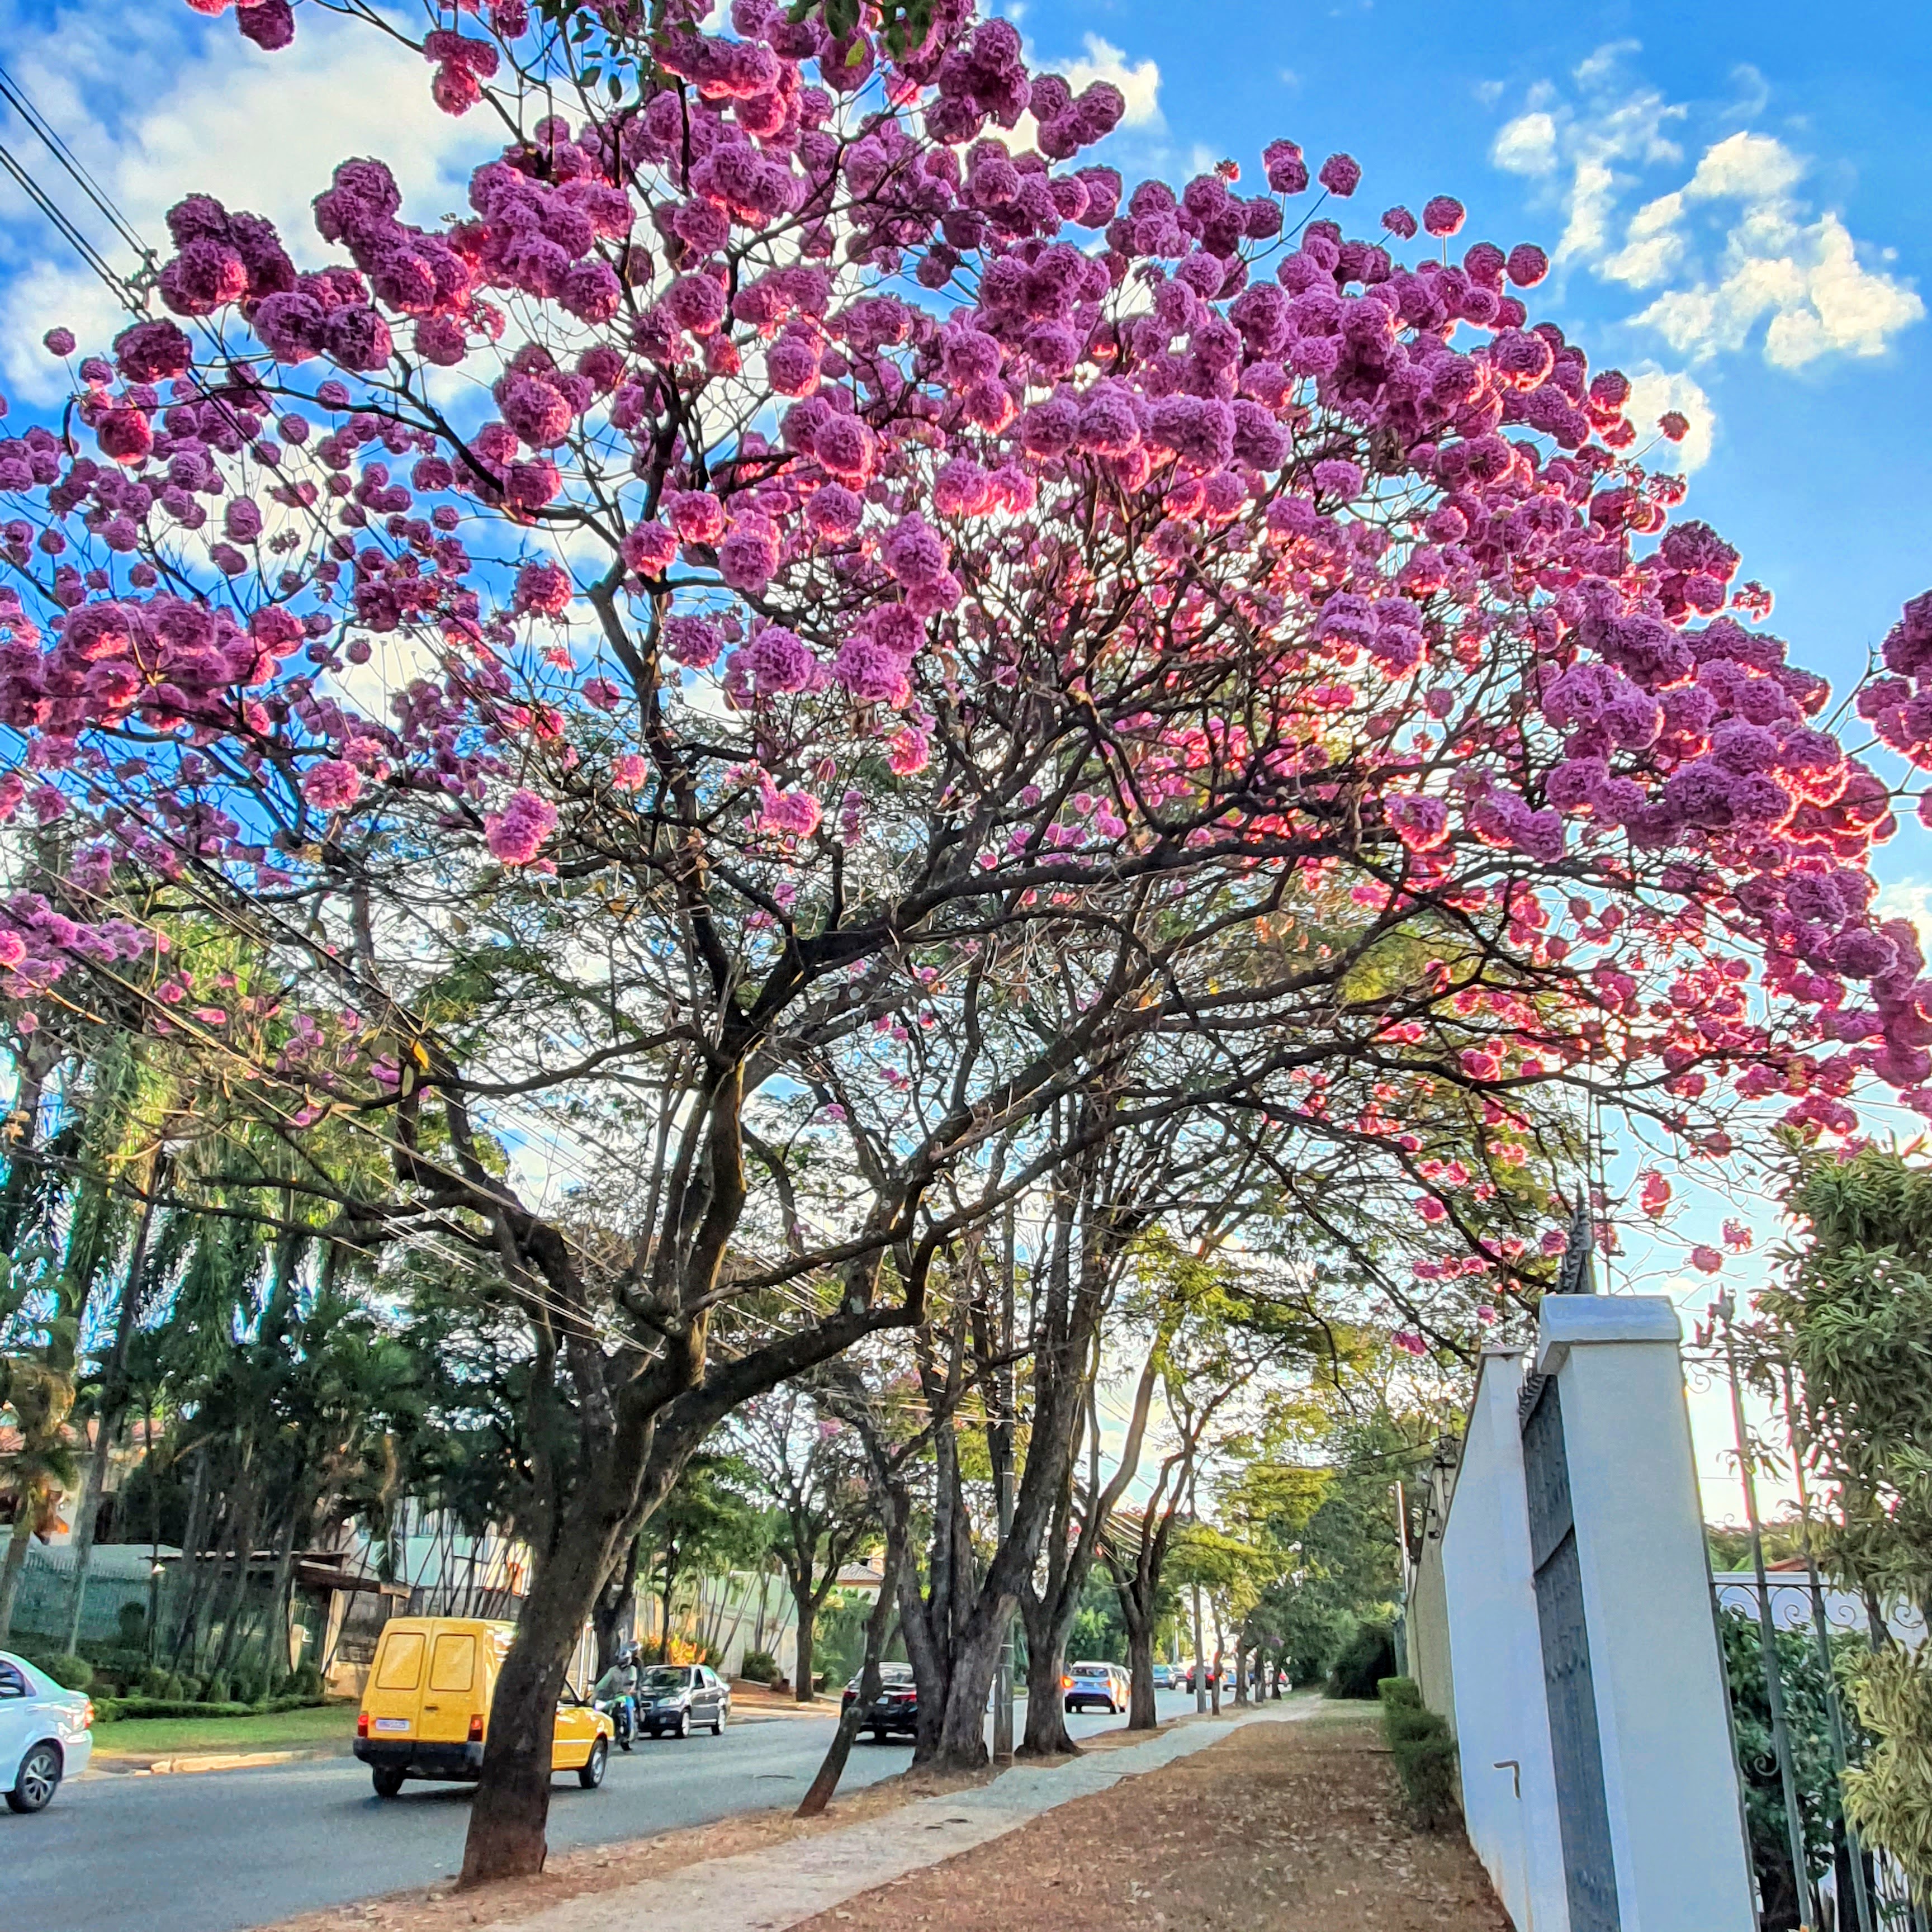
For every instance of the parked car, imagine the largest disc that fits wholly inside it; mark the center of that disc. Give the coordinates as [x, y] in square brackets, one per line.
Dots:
[1163, 1676]
[896, 1707]
[1206, 1673]
[45, 1734]
[426, 1710]
[1106, 1684]
[674, 1700]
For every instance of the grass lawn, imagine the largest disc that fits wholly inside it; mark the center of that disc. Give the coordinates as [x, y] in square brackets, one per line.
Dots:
[283, 1730]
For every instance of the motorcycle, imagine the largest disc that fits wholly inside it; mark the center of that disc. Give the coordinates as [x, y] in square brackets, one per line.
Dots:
[623, 1721]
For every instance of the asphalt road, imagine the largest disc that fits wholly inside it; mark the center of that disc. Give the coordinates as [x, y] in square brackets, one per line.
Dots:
[217, 1851]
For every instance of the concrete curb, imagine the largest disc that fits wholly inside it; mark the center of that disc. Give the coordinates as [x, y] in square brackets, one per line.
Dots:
[163, 1767]
[785, 1885]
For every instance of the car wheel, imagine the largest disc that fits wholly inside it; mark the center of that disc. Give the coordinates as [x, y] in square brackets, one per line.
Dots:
[387, 1779]
[590, 1775]
[39, 1779]
[682, 1729]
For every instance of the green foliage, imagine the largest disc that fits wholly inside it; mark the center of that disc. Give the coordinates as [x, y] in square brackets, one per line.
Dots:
[1366, 1658]
[1889, 1798]
[114, 1710]
[1423, 1751]
[1098, 1634]
[306, 1681]
[1853, 1316]
[760, 1667]
[218, 1690]
[160, 1685]
[1807, 1723]
[69, 1671]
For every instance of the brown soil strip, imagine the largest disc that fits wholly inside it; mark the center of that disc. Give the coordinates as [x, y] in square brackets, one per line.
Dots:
[1289, 1827]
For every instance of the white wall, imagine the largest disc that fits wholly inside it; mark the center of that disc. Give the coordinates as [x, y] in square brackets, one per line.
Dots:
[1501, 1714]
[1669, 1779]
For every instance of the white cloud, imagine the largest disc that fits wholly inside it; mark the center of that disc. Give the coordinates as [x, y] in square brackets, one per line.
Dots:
[1138, 81]
[1745, 166]
[1907, 899]
[1730, 251]
[258, 131]
[1655, 392]
[1526, 146]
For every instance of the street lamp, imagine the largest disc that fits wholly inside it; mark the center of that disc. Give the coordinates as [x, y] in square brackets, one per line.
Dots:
[154, 1600]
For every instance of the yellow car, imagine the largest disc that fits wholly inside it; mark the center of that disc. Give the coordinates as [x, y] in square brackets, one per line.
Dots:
[426, 1712]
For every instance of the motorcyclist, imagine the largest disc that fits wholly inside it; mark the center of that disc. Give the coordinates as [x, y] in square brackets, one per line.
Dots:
[615, 1691]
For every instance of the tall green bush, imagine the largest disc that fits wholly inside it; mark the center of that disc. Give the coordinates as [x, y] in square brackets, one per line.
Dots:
[1366, 1658]
[1424, 1753]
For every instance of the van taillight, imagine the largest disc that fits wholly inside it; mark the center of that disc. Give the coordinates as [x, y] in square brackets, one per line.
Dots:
[362, 1724]
[476, 1727]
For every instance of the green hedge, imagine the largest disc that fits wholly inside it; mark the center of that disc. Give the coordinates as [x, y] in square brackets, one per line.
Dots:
[111, 1710]
[1424, 1752]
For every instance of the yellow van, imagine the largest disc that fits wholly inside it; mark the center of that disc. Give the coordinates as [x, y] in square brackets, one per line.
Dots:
[426, 1709]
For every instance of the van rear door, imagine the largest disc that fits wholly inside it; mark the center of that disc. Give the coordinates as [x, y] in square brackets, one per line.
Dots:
[395, 1681]
[451, 1694]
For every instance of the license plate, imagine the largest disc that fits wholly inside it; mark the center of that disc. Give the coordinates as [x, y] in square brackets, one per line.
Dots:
[392, 1723]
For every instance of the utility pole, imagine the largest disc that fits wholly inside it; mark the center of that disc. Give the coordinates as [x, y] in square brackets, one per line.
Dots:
[1723, 1307]
[1002, 1690]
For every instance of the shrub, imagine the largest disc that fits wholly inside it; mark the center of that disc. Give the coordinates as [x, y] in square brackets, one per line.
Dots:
[307, 1682]
[1403, 1691]
[69, 1671]
[760, 1667]
[246, 1686]
[1424, 1752]
[1367, 1658]
[217, 1691]
[1426, 1763]
[156, 1682]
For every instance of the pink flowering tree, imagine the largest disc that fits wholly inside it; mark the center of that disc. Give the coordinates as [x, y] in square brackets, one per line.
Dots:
[881, 615]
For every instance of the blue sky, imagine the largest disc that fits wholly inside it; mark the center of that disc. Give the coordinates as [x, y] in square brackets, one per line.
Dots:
[1734, 194]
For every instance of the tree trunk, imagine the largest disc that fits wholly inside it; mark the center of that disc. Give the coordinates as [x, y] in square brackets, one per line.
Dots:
[975, 1661]
[877, 1626]
[807, 1607]
[1141, 1714]
[512, 1803]
[1046, 1732]
[17, 1560]
[615, 1613]
[1240, 1671]
[113, 1406]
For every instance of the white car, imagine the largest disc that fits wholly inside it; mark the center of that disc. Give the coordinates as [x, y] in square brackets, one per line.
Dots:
[45, 1734]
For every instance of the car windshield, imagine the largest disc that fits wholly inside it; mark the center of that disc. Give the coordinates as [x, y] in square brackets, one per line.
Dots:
[890, 1674]
[666, 1677]
[1090, 1669]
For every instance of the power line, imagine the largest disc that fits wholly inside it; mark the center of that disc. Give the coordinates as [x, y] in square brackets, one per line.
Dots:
[79, 243]
[16, 97]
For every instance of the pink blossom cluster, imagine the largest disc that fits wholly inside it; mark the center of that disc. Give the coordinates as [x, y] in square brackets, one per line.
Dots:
[1330, 560]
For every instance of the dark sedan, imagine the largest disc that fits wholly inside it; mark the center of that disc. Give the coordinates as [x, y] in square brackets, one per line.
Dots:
[896, 1707]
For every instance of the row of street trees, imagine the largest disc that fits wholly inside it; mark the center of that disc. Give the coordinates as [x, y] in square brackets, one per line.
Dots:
[984, 772]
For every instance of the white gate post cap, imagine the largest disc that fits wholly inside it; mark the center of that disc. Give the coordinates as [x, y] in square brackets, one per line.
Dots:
[1567, 1321]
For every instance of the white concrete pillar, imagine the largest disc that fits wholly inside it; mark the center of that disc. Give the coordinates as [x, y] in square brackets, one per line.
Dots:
[1670, 1783]
[1502, 1719]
